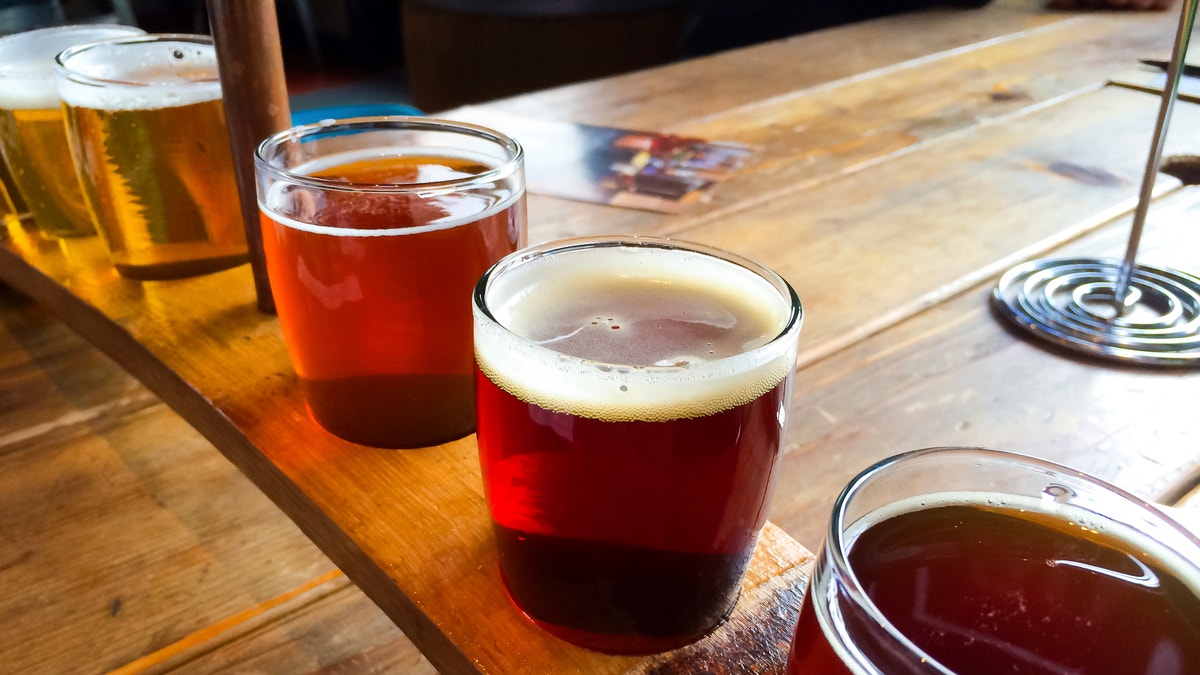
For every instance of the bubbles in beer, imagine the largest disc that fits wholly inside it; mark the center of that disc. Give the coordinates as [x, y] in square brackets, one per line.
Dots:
[691, 333]
[1058, 493]
[179, 77]
[393, 171]
[32, 131]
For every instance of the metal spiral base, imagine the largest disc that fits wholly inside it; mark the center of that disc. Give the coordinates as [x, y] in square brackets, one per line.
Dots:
[1072, 303]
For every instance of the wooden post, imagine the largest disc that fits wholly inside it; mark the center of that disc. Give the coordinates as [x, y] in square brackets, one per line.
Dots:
[246, 33]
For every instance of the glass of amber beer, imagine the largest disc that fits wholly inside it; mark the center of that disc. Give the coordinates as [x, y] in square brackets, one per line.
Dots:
[146, 123]
[375, 230]
[33, 138]
[964, 560]
[631, 398]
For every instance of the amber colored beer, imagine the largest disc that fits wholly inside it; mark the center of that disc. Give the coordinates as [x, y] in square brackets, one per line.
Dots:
[147, 124]
[991, 583]
[373, 289]
[33, 138]
[631, 405]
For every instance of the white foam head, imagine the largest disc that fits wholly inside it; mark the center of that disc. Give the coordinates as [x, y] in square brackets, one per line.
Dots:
[556, 381]
[27, 62]
[139, 74]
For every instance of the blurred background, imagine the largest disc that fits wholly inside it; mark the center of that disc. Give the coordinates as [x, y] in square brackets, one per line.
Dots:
[434, 54]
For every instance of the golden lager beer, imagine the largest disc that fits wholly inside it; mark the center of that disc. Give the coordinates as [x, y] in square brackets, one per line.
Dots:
[12, 197]
[33, 138]
[9, 215]
[147, 126]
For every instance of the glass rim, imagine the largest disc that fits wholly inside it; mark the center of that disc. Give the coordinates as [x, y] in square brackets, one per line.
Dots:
[795, 312]
[16, 38]
[61, 67]
[834, 552]
[301, 133]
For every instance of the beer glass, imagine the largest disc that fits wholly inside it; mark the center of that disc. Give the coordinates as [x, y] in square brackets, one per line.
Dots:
[147, 127]
[631, 399]
[33, 139]
[964, 560]
[10, 214]
[12, 206]
[375, 230]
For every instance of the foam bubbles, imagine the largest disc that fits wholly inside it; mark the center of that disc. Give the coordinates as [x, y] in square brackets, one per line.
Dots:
[296, 205]
[27, 63]
[690, 385]
[140, 76]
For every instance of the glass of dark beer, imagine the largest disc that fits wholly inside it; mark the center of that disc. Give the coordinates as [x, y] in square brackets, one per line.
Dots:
[965, 560]
[631, 396]
[375, 230]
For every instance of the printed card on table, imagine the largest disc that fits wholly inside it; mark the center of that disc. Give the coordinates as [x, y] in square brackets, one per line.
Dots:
[645, 170]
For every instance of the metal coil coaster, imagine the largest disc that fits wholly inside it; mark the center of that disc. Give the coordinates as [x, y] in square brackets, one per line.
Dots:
[1115, 309]
[1072, 302]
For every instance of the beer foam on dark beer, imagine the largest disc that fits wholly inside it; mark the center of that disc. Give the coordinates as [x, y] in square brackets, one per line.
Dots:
[606, 366]
[453, 207]
[147, 76]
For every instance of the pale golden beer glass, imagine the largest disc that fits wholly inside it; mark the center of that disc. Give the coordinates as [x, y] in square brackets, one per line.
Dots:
[146, 123]
[33, 139]
[9, 212]
[9, 216]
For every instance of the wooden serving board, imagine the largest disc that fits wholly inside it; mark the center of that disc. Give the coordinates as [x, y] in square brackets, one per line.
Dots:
[904, 165]
[410, 528]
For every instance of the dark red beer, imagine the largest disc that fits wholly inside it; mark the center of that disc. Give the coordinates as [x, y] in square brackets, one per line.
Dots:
[372, 287]
[628, 470]
[1007, 586]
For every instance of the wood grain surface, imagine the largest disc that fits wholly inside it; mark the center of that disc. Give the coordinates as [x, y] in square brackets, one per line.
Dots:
[904, 164]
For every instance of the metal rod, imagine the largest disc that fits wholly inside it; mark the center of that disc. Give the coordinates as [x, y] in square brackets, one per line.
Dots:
[1170, 91]
[250, 60]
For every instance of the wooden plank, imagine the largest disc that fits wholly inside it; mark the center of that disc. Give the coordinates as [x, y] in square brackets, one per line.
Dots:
[121, 529]
[77, 390]
[825, 129]
[409, 528]
[332, 627]
[869, 249]
[1153, 81]
[1190, 501]
[1187, 510]
[953, 375]
[661, 98]
[818, 134]
[335, 628]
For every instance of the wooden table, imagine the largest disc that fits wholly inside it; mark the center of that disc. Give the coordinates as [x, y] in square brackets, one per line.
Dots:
[905, 164]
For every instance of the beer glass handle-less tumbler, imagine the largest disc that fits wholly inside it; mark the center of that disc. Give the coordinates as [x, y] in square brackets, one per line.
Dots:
[632, 395]
[966, 560]
[375, 229]
[147, 128]
[33, 139]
